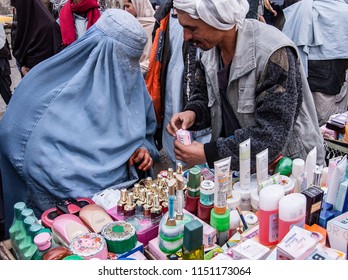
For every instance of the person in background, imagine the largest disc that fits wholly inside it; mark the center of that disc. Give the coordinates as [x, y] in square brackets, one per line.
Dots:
[257, 89]
[37, 35]
[143, 11]
[179, 75]
[81, 121]
[75, 17]
[5, 69]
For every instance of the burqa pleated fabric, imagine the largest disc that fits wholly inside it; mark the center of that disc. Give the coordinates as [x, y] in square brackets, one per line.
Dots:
[76, 118]
[38, 35]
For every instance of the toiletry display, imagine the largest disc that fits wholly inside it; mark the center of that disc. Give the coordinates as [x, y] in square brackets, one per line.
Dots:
[179, 214]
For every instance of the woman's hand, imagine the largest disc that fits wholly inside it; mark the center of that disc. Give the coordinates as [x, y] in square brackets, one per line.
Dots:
[143, 158]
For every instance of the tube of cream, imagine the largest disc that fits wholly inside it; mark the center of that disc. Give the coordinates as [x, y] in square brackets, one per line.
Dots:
[335, 180]
[261, 166]
[221, 170]
[311, 161]
[244, 164]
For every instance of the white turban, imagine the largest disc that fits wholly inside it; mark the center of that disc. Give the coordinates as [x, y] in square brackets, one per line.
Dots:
[221, 14]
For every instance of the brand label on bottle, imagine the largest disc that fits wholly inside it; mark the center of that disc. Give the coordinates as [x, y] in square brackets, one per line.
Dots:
[315, 207]
[273, 227]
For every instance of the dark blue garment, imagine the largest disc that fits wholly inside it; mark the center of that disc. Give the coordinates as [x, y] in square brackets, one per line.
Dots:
[76, 118]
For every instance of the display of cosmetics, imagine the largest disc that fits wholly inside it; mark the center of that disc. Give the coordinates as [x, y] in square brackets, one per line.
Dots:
[149, 198]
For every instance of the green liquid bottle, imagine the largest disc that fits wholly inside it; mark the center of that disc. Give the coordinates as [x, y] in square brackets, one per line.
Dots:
[16, 224]
[193, 248]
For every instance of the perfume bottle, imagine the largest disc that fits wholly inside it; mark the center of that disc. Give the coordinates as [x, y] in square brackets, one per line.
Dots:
[165, 202]
[136, 190]
[139, 205]
[156, 210]
[122, 202]
[179, 168]
[129, 208]
[148, 183]
[179, 197]
[148, 205]
[193, 248]
[170, 173]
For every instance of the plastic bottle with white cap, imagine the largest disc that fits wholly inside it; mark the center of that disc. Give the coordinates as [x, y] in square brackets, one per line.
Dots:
[298, 175]
[269, 214]
[292, 212]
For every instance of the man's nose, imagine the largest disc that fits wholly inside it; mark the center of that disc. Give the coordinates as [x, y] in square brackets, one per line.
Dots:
[187, 35]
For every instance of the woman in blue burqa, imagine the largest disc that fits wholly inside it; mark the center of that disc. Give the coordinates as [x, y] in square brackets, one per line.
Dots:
[81, 121]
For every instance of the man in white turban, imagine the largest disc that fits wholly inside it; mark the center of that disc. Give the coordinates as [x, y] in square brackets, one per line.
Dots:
[256, 88]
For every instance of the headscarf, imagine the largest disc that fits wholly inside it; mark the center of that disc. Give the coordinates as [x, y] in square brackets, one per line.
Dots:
[37, 35]
[66, 18]
[75, 119]
[220, 14]
[143, 8]
[145, 15]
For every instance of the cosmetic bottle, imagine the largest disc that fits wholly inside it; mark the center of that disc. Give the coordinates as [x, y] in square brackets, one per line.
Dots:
[139, 205]
[221, 222]
[269, 214]
[194, 181]
[179, 197]
[148, 205]
[27, 240]
[171, 199]
[292, 212]
[17, 224]
[156, 210]
[122, 202]
[170, 174]
[165, 202]
[179, 168]
[22, 233]
[193, 248]
[129, 208]
[136, 191]
[298, 175]
[148, 183]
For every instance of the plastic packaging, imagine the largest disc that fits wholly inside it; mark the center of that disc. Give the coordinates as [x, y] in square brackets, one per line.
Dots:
[222, 169]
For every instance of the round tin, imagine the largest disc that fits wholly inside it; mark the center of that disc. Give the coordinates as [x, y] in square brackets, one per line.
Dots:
[89, 245]
[207, 192]
[120, 236]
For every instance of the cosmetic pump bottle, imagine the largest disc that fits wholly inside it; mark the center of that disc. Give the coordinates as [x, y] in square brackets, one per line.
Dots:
[193, 248]
[171, 199]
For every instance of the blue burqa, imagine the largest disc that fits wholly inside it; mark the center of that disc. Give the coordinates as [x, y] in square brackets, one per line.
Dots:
[76, 118]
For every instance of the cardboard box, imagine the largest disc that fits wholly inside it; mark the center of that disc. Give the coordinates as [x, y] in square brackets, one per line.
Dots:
[298, 244]
[250, 250]
[337, 232]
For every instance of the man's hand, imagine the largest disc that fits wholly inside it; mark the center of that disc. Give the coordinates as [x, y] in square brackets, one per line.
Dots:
[143, 157]
[191, 154]
[182, 120]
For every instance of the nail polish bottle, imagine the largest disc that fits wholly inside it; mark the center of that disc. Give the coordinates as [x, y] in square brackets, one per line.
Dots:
[165, 202]
[179, 168]
[170, 173]
[156, 210]
[129, 208]
[139, 205]
[148, 205]
[136, 190]
[148, 183]
[122, 202]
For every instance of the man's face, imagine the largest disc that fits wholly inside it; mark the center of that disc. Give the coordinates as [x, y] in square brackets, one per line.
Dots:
[198, 32]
